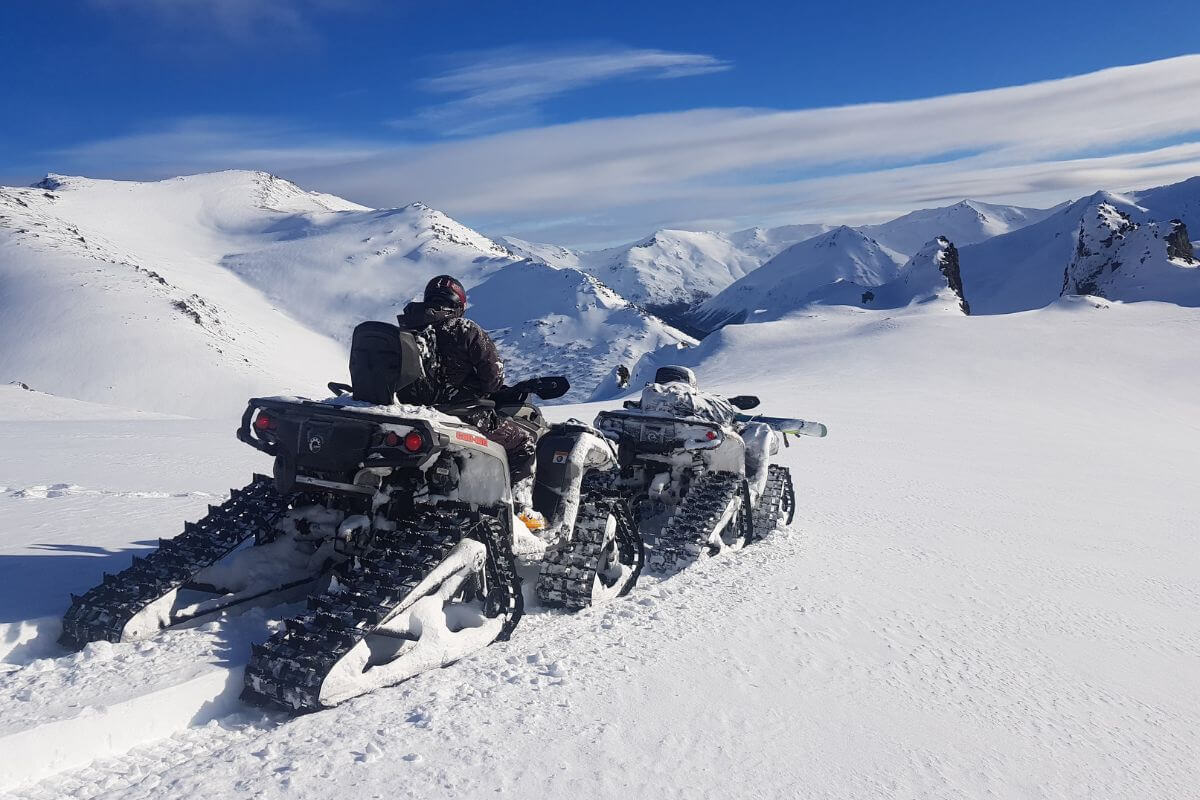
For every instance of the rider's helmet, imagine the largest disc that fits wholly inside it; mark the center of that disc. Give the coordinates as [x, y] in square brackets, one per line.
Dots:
[445, 291]
[675, 374]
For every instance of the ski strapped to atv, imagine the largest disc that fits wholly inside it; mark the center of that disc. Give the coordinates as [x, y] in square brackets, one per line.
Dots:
[396, 521]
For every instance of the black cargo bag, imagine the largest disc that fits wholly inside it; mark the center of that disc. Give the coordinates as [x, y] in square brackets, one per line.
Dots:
[383, 360]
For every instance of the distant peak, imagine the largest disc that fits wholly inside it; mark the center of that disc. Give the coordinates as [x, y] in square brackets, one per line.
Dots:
[51, 182]
[1104, 197]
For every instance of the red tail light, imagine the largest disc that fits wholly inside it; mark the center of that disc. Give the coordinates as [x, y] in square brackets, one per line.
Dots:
[710, 435]
[263, 422]
[413, 442]
[391, 439]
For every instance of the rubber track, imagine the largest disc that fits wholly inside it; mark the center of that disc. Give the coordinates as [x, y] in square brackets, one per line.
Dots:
[687, 532]
[101, 613]
[569, 573]
[778, 499]
[288, 669]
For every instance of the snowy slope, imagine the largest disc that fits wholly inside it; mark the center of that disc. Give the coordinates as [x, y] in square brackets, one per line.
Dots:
[551, 254]
[993, 596]
[1175, 201]
[195, 293]
[785, 282]
[336, 272]
[766, 243]
[930, 280]
[549, 321]
[965, 222]
[112, 291]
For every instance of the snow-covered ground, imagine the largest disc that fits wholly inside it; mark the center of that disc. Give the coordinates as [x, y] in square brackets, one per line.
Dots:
[989, 591]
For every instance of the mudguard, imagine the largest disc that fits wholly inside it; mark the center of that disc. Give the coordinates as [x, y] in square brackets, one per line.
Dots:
[564, 455]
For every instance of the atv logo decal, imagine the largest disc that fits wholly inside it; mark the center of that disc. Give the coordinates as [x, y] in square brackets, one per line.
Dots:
[315, 443]
[560, 456]
[473, 438]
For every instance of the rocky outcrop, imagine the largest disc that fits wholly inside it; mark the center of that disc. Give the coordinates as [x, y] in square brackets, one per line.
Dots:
[948, 264]
[1179, 246]
[1124, 255]
[1098, 244]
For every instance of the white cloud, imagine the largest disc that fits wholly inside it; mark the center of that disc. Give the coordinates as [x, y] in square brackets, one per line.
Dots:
[236, 19]
[199, 144]
[614, 178]
[502, 87]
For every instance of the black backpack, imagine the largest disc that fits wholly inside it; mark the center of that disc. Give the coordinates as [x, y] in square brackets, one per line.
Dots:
[385, 360]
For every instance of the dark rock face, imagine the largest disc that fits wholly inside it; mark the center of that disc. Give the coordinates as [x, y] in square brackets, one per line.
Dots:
[47, 183]
[953, 274]
[1178, 244]
[868, 296]
[1091, 263]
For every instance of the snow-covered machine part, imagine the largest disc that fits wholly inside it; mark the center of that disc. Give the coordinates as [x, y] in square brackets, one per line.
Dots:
[141, 599]
[684, 400]
[564, 455]
[438, 586]
[594, 552]
[698, 473]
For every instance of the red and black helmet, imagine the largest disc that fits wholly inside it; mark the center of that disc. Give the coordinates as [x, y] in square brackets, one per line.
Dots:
[445, 292]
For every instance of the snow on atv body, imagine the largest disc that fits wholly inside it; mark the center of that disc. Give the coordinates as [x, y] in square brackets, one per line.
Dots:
[397, 520]
[700, 475]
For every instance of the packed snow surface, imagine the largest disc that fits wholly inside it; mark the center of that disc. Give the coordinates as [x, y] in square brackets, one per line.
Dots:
[989, 590]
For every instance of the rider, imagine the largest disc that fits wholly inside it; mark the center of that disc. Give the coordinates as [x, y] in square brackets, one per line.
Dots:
[470, 367]
[470, 364]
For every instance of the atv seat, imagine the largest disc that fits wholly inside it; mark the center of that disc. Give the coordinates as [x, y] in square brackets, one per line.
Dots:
[460, 408]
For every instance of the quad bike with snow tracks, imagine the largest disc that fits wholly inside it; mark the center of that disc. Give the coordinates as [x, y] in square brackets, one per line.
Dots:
[697, 473]
[397, 522]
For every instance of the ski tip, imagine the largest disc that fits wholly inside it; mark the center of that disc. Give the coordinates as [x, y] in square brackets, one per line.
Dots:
[816, 429]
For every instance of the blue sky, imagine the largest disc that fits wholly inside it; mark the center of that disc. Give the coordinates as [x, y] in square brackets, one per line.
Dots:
[587, 123]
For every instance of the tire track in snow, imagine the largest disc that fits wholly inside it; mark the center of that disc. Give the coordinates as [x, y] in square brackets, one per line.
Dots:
[55, 490]
[549, 649]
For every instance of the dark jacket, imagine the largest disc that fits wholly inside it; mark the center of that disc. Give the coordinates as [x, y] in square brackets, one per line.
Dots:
[469, 364]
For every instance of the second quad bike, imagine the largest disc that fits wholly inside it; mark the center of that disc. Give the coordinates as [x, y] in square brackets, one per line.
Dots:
[698, 473]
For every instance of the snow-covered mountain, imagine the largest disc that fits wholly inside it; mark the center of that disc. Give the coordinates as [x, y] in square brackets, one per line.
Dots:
[670, 271]
[1129, 247]
[1106, 244]
[547, 321]
[786, 282]
[963, 223]
[194, 293]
